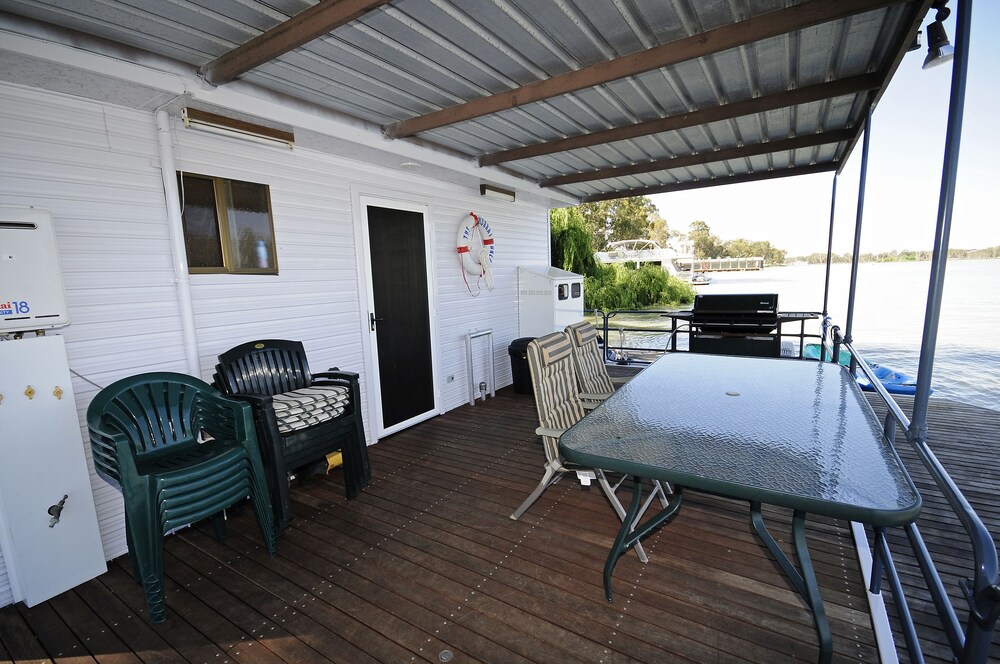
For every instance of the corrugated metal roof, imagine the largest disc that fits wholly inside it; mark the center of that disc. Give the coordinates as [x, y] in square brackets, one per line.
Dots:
[408, 58]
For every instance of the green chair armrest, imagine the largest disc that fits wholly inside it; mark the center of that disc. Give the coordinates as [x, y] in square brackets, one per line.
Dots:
[223, 416]
[126, 456]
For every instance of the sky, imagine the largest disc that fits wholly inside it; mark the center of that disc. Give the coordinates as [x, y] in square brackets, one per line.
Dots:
[904, 168]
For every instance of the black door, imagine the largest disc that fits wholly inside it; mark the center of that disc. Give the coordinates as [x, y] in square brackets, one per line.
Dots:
[401, 320]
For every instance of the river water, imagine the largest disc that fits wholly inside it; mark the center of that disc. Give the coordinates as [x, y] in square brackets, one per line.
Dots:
[889, 316]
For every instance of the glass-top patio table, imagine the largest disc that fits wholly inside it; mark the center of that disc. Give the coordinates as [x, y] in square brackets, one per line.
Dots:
[793, 433]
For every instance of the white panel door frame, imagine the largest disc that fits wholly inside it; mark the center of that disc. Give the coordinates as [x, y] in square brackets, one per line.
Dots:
[362, 200]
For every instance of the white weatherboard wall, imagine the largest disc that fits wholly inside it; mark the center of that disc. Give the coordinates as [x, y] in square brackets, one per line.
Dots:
[96, 168]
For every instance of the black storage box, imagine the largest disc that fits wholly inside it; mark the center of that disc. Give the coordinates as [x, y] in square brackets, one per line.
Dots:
[518, 351]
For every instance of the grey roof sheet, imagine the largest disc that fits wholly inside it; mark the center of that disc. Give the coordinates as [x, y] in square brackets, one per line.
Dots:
[411, 57]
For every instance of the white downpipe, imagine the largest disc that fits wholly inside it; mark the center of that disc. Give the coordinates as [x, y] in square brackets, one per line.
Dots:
[179, 254]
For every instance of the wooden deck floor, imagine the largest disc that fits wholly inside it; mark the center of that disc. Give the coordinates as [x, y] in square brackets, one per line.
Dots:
[427, 566]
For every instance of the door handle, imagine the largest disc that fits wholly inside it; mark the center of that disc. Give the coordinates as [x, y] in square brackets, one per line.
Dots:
[372, 320]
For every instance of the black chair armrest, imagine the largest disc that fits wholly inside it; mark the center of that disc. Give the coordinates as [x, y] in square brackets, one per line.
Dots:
[256, 401]
[333, 374]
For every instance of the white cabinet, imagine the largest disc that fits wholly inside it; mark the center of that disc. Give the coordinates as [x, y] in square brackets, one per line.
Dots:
[549, 299]
[41, 461]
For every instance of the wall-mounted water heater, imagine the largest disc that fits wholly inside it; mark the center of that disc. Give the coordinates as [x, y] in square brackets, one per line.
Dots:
[31, 286]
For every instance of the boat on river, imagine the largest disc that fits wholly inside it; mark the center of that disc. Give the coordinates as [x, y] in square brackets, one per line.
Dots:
[700, 279]
[894, 382]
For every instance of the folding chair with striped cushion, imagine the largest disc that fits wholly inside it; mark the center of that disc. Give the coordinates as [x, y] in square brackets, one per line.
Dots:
[591, 374]
[559, 407]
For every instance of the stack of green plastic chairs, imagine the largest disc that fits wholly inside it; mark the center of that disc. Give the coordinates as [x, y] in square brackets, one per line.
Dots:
[179, 452]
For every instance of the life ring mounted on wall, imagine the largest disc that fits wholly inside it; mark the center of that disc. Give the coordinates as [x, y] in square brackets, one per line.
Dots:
[475, 250]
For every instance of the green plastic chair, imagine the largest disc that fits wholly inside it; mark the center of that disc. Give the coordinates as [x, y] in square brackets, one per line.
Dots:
[179, 452]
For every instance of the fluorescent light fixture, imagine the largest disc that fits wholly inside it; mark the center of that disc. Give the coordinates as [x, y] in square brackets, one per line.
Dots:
[496, 193]
[220, 124]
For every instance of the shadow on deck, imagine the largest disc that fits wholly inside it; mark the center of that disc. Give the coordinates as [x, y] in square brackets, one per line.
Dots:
[427, 566]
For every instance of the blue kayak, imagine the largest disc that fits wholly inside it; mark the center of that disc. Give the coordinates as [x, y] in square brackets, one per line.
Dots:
[893, 381]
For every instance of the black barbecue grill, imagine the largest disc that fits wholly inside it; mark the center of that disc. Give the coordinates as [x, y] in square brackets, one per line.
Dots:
[736, 324]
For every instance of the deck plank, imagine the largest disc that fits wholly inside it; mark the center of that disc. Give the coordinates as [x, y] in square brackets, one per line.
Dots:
[18, 640]
[94, 633]
[59, 640]
[426, 562]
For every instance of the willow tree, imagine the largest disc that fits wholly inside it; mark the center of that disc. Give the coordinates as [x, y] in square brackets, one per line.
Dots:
[572, 246]
[618, 219]
[609, 286]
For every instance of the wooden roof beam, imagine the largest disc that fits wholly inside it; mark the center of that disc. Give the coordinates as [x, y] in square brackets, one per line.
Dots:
[712, 182]
[806, 141]
[304, 27]
[765, 26]
[805, 95]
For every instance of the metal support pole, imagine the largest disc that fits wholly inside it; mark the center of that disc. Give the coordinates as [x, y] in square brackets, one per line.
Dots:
[856, 254]
[825, 318]
[829, 254]
[983, 593]
[946, 199]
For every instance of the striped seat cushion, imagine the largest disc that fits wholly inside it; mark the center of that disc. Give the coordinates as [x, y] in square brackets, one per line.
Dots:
[303, 408]
[592, 376]
[554, 347]
[582, 333]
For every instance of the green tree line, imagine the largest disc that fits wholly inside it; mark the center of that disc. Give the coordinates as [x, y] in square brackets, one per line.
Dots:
[903, 256]
[706, 245]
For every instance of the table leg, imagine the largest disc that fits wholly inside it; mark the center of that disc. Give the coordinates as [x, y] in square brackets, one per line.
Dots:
[629, 535]
[805, 583]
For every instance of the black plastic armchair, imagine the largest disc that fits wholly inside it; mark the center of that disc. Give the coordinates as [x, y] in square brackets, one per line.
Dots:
[300, 417]
[179, 452]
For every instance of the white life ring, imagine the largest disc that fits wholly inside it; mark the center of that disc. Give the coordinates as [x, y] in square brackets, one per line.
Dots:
[476, 248]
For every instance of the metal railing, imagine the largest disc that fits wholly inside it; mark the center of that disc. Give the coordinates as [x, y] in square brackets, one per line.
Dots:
[970, 643]
[618, 349]
[667, 330]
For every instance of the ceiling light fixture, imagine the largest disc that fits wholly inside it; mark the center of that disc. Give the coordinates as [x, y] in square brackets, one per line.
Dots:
[220, 124]
[939, 49]
[496, 193]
